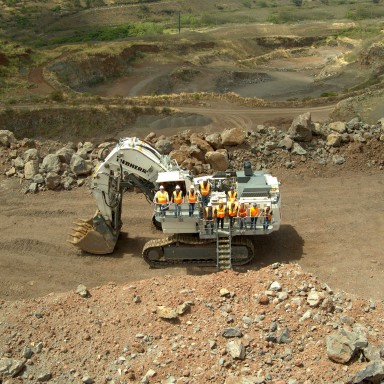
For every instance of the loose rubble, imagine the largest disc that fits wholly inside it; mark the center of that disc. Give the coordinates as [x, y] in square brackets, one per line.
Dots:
[222, 330]
[52, 165]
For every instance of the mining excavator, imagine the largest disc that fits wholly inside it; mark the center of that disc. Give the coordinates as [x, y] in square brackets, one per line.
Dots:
[135, 163]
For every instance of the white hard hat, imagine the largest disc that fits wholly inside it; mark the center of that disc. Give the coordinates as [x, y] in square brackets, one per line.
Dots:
[209, 204]
[192, 187]
[161, 186]
[177, 186]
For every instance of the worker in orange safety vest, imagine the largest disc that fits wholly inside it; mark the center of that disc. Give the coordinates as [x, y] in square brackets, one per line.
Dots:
[232, 195]
[205, 191]
[254, 213]
[192, 197]
[177, 199]
[232, 212]
[220, 212]
[242, 215]
[267, 218]
[162, 200]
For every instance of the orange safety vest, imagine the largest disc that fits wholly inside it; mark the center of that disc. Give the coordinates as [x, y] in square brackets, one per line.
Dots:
[232, 211]
[243, 212]
[192, 198]
[205, 191]
[268, 215]
[220, 212]
[232, 195]
[254, 211]
[177, 198]
[162, 197]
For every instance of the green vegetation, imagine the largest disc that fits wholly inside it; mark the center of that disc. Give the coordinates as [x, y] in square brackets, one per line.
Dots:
[110, 33]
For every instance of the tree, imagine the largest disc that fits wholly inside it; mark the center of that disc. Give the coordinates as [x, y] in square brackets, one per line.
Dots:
[298, 3]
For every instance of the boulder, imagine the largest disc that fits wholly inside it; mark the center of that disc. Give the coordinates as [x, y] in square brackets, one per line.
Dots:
[82, 153]
[31, 169]
[164, 146]
[28, 143]
[343, 345]
[6, 138]
[334, 140]
[218, 160]
[338, 126]
[286, 143]
[338, 160]
[65, 154]
[214, 140]
[301, 128]
[88, 146]
[179, 155]
[201, 144]
[52, 180]
[38, 179]
[372, 373]
[298, 149]
[353, 124]
[10, 367]
[18, 163]
[236, 349]
[166, 313]
[31, 154]
[51, 163]
[196, 152]
[11, 172]
[150, 137]
[79, 166]
[234, 136]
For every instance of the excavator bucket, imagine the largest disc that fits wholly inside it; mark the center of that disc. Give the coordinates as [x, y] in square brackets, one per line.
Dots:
[94, 235]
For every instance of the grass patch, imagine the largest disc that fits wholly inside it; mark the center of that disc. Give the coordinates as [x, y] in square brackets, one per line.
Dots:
[108, 33]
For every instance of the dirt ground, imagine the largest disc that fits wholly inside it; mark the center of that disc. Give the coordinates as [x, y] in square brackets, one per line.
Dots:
[332, 227]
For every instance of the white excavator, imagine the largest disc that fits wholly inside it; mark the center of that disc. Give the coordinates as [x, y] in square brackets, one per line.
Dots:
[135, 163]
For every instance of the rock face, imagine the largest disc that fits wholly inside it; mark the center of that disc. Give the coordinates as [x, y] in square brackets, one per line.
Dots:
[218, 160]
[235, 136]
[372, 373]
[301, 128]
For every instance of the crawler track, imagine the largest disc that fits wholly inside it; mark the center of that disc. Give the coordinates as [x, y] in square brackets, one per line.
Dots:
[180, 240]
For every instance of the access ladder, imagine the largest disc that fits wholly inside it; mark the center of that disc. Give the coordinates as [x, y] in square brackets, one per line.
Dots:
[223, 250]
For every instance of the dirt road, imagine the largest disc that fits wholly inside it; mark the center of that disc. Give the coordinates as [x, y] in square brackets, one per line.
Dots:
[332, 227]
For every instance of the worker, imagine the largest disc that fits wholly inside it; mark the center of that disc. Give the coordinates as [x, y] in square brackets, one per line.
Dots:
[242, 215]
[232, 212]
[192, 199]
[205, 191]
[254, 213]
[209, 218]
[161, 199]
[177, 199]
[232, 194]
[267, 218]
[220, 214]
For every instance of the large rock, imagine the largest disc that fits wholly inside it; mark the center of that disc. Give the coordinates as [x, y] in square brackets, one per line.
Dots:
[214, 140]
[53, 180]
[301, 128]
[236, 349]
[298, 149]
[164, 146]
[51, 163]
[65, 154]
[6, 138]
[10, 367]
[31, 154]
[286, 143]
[18, 163]
[234, 136]
[79, 166]
[334, 140]
[166, 313]
[196, 152]
[218, 160]
[179, 155]
[372, 373]
[343, 345]
[338, 126]
[31, 169]
[201, 144]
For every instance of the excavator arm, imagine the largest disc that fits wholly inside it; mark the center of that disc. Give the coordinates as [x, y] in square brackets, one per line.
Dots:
[132, 162]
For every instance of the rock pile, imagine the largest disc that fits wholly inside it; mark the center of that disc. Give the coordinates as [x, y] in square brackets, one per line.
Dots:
[56, 166]
[277, 325]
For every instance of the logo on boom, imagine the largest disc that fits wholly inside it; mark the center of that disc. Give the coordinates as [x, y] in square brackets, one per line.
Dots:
[127, 163]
